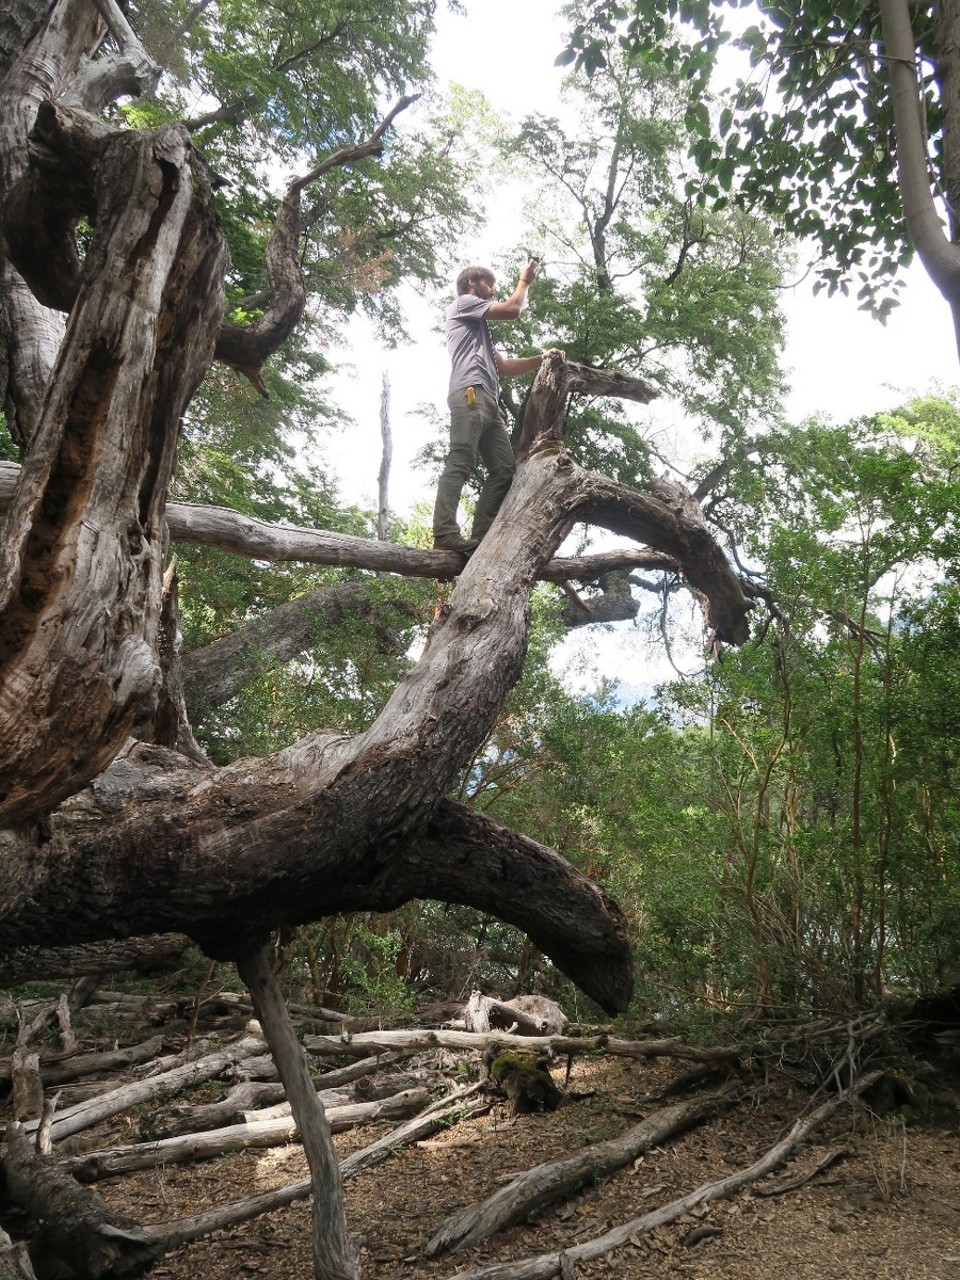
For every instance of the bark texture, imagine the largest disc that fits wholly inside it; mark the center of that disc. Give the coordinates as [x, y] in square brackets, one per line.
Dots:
[81, 575]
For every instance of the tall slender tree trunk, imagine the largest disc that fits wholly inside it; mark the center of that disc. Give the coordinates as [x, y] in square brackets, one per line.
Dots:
[334, 1255]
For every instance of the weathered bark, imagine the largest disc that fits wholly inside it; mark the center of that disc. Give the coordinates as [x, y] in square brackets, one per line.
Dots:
[385, 1041]
[14, 1259]
[281, 857]
[251, 1132]
[482, 1011]
[244, 1104]
[73, 1224]
[81, 576]
[30, 338]
[87, 1114]
[244, 1101]
[615, 603]
[58, 1010]
[536, 1188]
[334, 1254]
[530, 1015]
[84, 1064]
[946, 40]
[32, 963]
[169, 723]
[42, 50]
[27, 1092]
[246, 536]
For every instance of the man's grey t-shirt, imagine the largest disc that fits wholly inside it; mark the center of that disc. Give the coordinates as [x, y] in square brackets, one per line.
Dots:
[473, 363]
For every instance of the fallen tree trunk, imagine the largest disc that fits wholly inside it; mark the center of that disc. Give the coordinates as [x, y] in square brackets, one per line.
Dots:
[239, 1106]
[563, 1262]
[247, 1102]
[274, 1131]
[423, 1038]
[533, 1190]
[442, 1115]
[87, 1114]
[72, 1224]
[61, 1070]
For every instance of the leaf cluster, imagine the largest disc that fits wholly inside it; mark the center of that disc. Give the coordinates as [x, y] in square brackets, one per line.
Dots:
[805, 134]
[640, 274]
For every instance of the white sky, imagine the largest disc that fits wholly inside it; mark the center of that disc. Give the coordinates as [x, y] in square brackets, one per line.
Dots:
[840, 362]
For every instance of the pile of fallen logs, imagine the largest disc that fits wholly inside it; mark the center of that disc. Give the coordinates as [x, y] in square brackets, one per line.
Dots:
[393, 1078]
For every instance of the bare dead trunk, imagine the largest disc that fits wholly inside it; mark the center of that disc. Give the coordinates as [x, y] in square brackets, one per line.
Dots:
[422, 1039]
[334, 1254]
[87, 1114]
[386, 457]
[81, 580]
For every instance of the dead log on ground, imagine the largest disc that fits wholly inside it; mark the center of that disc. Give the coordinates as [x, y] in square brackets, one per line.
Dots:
[421, 1039]
[248, 1100]
[87, 1114]
[73, 1225]
[86, 1232]
[272, 1132]
[528, 1015]
[238, 1107]
[563, 1262]
[533, 1190]
[61, 1069]
[440, 1115]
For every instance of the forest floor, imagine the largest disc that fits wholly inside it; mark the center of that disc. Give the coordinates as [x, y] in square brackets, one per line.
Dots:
[887, 1209]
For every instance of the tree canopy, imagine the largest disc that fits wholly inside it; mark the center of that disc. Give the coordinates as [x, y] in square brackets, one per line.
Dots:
[843, 126]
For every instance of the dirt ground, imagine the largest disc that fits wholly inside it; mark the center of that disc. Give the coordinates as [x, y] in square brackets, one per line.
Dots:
[888, 1209]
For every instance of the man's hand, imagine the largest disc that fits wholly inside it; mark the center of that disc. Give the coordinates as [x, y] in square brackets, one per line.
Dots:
[511, 307]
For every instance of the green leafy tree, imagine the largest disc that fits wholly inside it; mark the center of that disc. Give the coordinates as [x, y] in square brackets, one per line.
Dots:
[822, 777]
[844, 127]
[639, 276]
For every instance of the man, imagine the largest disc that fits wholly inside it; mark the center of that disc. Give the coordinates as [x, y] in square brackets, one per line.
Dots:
[475, 422]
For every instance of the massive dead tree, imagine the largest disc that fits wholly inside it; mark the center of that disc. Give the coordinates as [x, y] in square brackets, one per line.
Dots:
[103, 837]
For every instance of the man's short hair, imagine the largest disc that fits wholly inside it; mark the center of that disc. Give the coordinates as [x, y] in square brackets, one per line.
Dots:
[469, 275]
